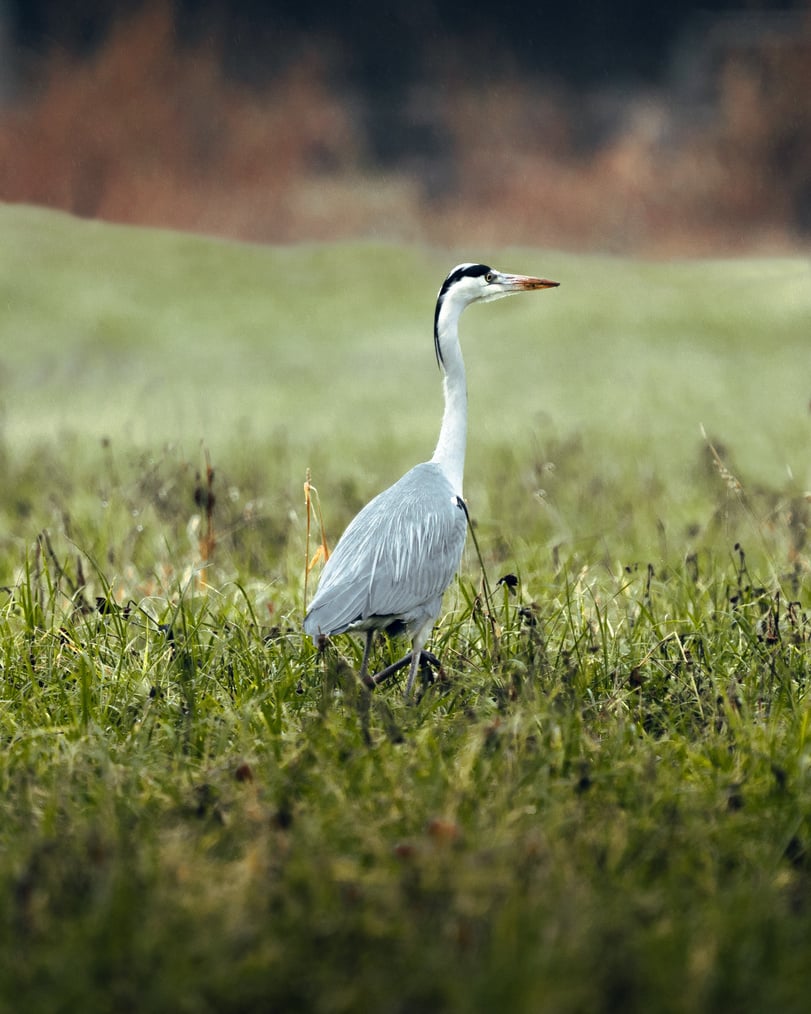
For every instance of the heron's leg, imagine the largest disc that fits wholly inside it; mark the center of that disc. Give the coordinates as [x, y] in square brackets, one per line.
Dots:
[412, 672]
[418, 643]
[401, 663]
[367, 648]
[390, 670]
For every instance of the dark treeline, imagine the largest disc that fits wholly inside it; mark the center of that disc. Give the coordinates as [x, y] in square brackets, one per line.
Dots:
[387, 46]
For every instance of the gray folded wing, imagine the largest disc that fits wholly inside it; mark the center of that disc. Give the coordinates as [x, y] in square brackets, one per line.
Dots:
[395, 559]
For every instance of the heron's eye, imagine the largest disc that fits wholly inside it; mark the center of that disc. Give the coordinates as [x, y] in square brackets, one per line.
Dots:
[489, 277]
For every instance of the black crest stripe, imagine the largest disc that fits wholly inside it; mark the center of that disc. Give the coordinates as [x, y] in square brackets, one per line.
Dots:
[462, 271]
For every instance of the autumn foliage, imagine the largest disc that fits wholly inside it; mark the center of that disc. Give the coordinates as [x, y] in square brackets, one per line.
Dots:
[149, 131]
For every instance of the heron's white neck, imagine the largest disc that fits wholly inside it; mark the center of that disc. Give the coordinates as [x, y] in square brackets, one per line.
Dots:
[450, 448]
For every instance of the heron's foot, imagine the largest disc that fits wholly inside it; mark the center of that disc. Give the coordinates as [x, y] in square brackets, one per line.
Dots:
[428, 662]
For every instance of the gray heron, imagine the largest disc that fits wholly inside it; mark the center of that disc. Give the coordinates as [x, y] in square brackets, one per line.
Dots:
[395, 559]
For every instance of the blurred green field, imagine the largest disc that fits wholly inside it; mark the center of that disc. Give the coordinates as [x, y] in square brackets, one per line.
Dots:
[605, 801]
[148, 336]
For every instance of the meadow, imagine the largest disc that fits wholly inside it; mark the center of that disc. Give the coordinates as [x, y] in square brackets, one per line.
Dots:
[604, 799]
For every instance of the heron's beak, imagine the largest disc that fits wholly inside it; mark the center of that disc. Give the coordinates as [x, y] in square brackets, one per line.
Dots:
[524, 283]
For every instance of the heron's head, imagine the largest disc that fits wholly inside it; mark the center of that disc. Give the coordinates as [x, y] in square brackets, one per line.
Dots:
[478, 283]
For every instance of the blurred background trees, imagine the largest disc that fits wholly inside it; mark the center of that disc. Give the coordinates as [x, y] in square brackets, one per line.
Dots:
[625, 127]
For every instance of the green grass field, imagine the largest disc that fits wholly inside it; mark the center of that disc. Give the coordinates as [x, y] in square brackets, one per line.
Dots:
[603, 803]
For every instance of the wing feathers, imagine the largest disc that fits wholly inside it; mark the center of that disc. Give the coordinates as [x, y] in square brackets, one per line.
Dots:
[395, 559]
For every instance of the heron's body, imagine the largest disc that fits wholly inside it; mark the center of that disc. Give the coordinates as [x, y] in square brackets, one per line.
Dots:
[398, 555]
[395, 559]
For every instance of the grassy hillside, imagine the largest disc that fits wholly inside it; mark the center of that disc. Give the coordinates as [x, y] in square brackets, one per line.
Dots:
[604, 799]
[153, 335]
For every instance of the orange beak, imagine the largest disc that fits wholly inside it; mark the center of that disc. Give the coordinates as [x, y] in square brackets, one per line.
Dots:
[525, 283]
